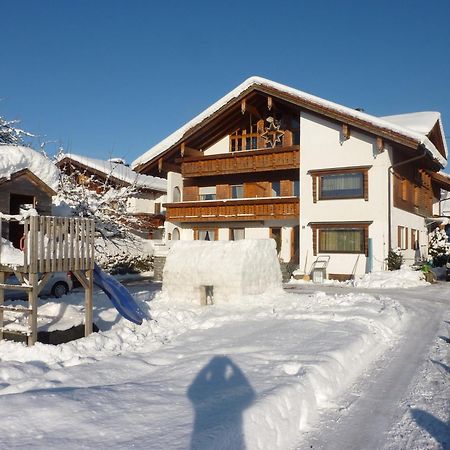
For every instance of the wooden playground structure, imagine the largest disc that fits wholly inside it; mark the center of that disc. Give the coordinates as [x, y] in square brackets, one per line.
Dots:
[49, 244]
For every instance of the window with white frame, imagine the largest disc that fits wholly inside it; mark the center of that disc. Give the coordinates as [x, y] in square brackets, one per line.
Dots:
[207, 193]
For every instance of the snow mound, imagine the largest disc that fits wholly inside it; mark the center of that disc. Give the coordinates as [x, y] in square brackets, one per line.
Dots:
[10, 255]
[14, 158]
[403, 278]
[232, 268]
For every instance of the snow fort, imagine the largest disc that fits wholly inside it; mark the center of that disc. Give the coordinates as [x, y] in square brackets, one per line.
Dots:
[206, 272]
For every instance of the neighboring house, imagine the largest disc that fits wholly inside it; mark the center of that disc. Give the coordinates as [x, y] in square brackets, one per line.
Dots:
[321, 179]
[145, 204]
[27, 180]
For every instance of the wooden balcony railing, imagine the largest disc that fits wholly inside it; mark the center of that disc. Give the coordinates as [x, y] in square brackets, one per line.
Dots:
[234, 210]
[245, 161]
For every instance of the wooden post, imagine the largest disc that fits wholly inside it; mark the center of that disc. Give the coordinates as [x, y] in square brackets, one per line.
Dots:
[2, 298]
[88, 302]
[32, 305]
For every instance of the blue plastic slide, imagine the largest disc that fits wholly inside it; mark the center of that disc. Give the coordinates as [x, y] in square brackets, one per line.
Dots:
[119, 296]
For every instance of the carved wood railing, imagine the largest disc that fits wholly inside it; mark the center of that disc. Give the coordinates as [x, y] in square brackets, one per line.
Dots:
[245, 161]
[234, 210]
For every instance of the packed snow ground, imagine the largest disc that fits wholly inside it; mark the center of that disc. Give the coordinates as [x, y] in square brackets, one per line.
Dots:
[216, 376]
[257, 375]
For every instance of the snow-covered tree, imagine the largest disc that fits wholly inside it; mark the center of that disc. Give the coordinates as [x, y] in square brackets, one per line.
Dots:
[10, 133]
[438, 246]
[394, 259]
[116, 245]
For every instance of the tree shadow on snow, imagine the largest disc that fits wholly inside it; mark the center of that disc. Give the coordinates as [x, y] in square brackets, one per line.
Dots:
[439, 430]
[219, 394]
[442, 365]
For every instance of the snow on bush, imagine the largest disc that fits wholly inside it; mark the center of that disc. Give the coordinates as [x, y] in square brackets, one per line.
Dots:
[405, 277]
[16, 157]
[233, 268]
[438, 246]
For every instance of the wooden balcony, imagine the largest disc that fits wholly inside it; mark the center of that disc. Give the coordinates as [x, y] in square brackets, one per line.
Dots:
[280, 208]
[245, 161]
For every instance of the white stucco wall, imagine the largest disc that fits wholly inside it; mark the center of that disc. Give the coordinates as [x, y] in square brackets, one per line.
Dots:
[322, 147]
[410, 221]
[144, 202]
[221, 146]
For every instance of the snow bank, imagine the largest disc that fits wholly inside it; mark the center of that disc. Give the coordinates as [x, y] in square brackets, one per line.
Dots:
[403, 278]
[232, 268]
[16, 157]
[10, 255]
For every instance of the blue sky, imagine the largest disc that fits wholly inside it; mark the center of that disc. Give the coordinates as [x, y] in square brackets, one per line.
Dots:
[110, 77]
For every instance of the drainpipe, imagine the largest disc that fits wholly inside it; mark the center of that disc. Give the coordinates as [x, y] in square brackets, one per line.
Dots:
[393, 166]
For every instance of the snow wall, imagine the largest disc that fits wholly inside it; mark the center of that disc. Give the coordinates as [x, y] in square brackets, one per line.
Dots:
[232, 268]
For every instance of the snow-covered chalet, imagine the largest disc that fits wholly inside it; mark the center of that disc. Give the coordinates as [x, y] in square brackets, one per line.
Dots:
[145, 204]
[268, 160]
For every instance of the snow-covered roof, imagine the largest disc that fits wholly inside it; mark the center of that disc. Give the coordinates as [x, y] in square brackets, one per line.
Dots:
[379, 123]
[115, 168]
[14, 158]
[421, 122]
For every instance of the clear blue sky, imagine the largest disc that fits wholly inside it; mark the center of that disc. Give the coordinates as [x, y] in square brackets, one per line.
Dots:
[107, 77]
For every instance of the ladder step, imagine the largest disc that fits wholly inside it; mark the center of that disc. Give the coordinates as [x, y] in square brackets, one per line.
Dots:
[18, 332]
[15, 309]
[16, 287]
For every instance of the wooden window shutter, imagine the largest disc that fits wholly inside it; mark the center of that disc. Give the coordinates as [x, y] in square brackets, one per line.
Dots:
[190, 193]
[314, 236]
[286, 188]
[406, 237]
[399, 236]
[366, 185]
[366, 240]
[314, 188]
[223, 191]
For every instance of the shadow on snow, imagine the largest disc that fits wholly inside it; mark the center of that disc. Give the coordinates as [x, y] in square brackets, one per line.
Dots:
[219, 395]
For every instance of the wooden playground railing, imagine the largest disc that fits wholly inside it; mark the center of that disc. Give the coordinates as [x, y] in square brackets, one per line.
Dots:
[50, 244]
[58, 244]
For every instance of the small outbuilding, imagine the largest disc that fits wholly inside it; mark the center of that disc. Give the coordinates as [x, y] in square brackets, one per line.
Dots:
[206, 272]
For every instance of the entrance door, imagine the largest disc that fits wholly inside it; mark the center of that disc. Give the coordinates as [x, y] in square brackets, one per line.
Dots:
[275, 233]
[17, 204]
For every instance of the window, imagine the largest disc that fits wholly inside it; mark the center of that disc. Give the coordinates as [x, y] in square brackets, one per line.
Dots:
[236, 234]
[402, 237]
[206, 235]
[176, 234]
[297, 188]
[276, 191]
[207, 193]
[157, 208]
[237, 191]
[176, 194]
[342, 185]
[415, 245]
[341, 240]
[244, 139]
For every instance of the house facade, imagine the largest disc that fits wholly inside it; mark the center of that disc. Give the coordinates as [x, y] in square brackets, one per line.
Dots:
[267, 160]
